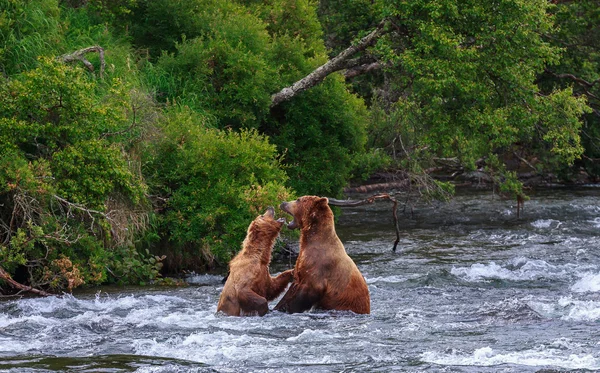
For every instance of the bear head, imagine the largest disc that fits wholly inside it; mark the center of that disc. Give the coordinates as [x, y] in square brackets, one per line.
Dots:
[263, 230]
[307, 210]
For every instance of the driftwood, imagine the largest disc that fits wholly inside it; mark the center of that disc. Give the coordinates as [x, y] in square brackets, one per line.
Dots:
[6, 277]
[79, 55]
[353, 203]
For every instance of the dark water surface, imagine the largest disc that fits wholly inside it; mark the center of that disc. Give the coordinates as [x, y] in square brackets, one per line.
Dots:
[471, 289]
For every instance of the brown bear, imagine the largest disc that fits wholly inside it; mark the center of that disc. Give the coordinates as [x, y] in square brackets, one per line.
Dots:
[325, 277]
[249, 285]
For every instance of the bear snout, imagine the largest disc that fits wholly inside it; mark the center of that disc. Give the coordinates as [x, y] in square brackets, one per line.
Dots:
[270, 212]
[286, 207]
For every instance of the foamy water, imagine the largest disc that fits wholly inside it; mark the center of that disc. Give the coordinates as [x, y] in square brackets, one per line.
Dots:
[589, 283]
[471, 289]
[538, 357]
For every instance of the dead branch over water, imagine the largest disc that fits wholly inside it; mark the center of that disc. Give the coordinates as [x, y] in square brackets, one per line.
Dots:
[6, 277]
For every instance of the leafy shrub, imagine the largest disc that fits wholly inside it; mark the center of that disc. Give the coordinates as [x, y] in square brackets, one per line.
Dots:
[235, 56]
[323, 134]
[216, 182]
[71, 201]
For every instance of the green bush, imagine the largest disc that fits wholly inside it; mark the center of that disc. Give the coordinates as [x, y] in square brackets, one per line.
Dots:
[229, 71]
[71, 201]
[323, 135]
[216, 182]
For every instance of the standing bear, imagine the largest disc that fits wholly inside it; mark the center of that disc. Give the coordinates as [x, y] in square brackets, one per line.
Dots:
[249, 285]
[325, 277]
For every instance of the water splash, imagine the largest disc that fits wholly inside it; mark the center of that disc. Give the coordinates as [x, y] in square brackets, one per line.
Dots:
[518, 269]
[589, 283]
[538, 357]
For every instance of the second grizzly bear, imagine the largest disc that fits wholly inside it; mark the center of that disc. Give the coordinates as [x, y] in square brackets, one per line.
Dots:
[249, 285]
[325, 277]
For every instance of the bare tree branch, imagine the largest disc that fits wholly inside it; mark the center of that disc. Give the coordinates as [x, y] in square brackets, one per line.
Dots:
[362, 69]
[337, 63]
[525, 161]
[354, 203]
[80, 207]
[6, 277]
[79, 55]
[574, 78]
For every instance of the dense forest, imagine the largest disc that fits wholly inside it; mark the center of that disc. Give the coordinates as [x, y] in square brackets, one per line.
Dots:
[139, 137]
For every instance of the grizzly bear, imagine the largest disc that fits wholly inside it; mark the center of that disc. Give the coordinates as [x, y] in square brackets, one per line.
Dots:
[249, 285]
[325, 277]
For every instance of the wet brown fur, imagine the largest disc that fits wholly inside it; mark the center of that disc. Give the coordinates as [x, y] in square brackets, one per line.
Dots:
[325, 277]
[249, 285]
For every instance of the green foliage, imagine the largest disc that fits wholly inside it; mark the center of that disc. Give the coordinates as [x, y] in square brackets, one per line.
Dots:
[83, 156]
[344, 20]
[578, 36]
[323, 148]
[49, 115]
[472, 81]
[130, 266]
[560, 114]
[16, 254]
[216, 183]
[28, 29]
[68, 191]
[225, 74]
[160, 25]
[238, 57]
[461, 82]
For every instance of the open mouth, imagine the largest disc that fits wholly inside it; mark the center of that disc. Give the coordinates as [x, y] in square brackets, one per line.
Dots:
[293, 224]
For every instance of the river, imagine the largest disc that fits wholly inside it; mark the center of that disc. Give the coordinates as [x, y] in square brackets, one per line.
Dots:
[472, 288]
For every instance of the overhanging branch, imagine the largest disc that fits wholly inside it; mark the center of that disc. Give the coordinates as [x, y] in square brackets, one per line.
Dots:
[17, 285]
[362, 69]
[574, 78]
[337, 63]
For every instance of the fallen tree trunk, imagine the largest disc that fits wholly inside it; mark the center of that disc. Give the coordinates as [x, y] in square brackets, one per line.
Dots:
[337, 63]
[354, 203]
[362, 69]
[6, 277]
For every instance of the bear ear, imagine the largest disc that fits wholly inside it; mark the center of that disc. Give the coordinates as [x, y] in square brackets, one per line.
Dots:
[323, 201]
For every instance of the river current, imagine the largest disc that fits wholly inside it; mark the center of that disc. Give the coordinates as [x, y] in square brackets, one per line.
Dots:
[471, 288]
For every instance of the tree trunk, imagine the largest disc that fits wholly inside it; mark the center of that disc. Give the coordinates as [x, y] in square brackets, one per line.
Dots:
[337, 63]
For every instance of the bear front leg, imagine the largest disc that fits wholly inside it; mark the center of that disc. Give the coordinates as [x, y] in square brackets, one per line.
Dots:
[252, 304]
[279, 283]
[299, 298]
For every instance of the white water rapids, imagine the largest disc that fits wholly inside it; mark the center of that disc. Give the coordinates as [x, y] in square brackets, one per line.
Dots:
[471, 289]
